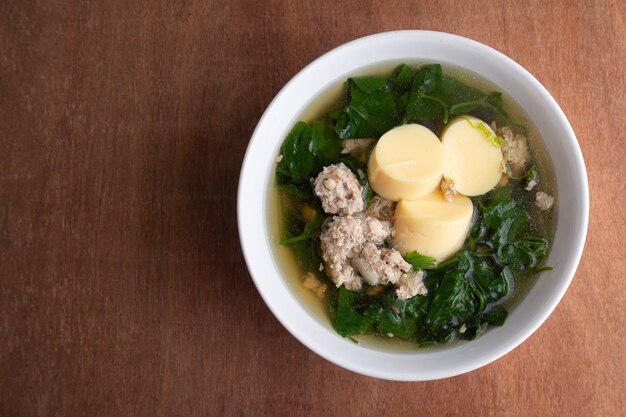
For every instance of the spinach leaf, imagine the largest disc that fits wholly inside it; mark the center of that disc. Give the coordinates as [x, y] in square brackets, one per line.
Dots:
[392, 323]
[524, 253]
[308, 252]
[306, 150]
[485, 106]
[326, 146]
[312, 229]
[400, 317]
[372, 110]
[495, 316]
[419, 261]
[425, 99]
[474, 329]
[454, 301]
[403, 76]
[505, 216]
[297, 161]
[348, 320]
[303, 192]
[494, 288]
[492, 101]
[478, 325]
[355, 165]
[429, 79]
[456, 91]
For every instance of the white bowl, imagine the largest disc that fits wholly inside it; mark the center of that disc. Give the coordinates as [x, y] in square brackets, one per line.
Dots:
[572, 205]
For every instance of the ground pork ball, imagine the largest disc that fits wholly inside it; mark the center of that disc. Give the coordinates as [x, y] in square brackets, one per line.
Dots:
[448, 190]
[343, 240]
[344, 274]
[376, 231]
[340, 237]
[543, 200]
[515, 150]
[339, 190]
[411, 284]
[350, 248]
[310, 281]
[380, 266]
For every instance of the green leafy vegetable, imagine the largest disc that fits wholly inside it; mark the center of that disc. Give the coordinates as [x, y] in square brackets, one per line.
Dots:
[419, 261]
[306, 150]
[453, 304]
[504, 216]
[348, 319]
[403, 76]
[401, 318]
[311, 230]
[372, 110]
[477, 326]
[524, 253]
[426, 99]
[300, 192]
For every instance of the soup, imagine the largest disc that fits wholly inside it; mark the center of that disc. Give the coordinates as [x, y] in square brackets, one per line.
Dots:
[412, 205]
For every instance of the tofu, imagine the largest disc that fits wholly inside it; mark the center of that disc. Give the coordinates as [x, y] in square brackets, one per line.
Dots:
[432, 225]
[406, 164]
[473, 155]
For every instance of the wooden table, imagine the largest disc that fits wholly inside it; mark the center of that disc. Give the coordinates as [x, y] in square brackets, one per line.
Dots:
[124, 290]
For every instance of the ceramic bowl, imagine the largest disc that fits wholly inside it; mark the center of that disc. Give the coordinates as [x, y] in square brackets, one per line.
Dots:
[395, 47]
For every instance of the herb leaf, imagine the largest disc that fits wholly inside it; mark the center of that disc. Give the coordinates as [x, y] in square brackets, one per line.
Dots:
[306, 150]
[419, 261]
[372, 110]
[453, 303]
[311, 230]
[426, 100]
[348, 321]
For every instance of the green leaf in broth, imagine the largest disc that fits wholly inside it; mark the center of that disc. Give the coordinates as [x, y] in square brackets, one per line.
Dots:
[395, 318]
[372, 110]
[348, 321]
[453, 303]
[371, 85]
[297, 159]
[302, 192]
[419, 261]
[312, 229]
[403, 76]
[426, 100]
[496, 316]
[494, 288]
[524, 253]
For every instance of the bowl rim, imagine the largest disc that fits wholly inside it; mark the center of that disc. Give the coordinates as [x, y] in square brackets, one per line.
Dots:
[279, 307]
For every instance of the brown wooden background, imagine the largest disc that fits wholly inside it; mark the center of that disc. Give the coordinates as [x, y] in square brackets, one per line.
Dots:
[123, 289]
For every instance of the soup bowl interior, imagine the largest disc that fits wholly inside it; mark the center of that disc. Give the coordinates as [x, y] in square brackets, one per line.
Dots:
[533, 307]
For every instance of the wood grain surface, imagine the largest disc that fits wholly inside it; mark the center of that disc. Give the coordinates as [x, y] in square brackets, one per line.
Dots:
[123, 289]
